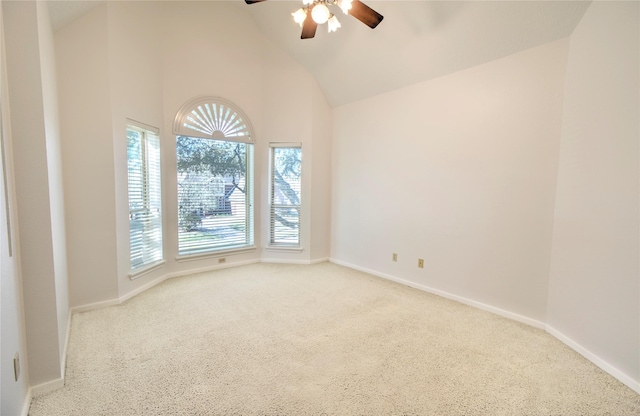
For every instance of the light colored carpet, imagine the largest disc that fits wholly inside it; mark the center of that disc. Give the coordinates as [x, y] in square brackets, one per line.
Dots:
[271, 339]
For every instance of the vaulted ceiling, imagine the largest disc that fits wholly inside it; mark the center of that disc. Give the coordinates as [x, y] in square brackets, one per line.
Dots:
[417, 40]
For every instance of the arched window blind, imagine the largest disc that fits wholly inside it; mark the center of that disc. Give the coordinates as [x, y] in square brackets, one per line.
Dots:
[214, 154]
[213, 118]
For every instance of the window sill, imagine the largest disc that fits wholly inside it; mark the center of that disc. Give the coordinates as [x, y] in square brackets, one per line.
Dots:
[213, 254]
[291, 249]
[147, 269]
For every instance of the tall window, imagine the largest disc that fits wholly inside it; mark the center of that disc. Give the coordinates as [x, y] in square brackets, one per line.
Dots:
[215, 178]
[145, 200]
[284, 198]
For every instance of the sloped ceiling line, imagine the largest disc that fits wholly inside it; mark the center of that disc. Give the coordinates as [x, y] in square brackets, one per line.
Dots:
[417, 41]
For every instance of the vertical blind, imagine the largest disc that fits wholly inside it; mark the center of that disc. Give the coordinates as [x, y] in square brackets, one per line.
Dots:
[215, 195]
[285, 194]
[145, 199]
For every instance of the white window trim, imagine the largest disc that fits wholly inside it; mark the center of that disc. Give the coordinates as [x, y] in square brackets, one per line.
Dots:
[285, 144]
[147, 269]
[250, 213]
[283, 247]
[214, 254]
[144, 128]
[197, 108]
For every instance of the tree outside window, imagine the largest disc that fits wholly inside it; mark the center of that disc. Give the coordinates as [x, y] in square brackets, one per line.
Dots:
[285, 194]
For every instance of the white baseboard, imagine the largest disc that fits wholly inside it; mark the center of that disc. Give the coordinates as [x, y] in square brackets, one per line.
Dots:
[50, 386]
[613, 371]
[283, 261]
[155, 282]
[65, 347]
[47, 387]
[303, 262]
[604, 365]
[483, 306]
[96, 305]
[288, 261]
[211, 268]
[141, 289]
[27, 403]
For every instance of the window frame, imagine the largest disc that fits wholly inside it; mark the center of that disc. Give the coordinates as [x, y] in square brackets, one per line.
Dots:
[215, 118]
[148, 134]
[275, 245]
[249, 221]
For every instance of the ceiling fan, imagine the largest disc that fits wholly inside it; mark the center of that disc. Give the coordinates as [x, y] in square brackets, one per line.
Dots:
[315, 12]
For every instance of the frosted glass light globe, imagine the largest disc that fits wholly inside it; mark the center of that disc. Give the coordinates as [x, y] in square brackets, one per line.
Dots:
[333, 24]
[346, 5]
[320, 13]
[299, 16]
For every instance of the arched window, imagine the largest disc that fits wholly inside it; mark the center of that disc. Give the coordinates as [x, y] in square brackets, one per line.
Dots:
[213, 118]
[214, 152]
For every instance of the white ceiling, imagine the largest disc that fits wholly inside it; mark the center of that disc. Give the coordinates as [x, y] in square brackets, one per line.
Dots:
[417, 40]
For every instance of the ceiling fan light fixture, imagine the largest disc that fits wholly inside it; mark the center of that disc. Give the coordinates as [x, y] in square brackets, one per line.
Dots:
[333, 24]
[320, 13]
[299, 16]
[346, 5]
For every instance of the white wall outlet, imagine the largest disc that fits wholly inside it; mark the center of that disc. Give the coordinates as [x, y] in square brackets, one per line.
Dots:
[421, 263]
[394, 257]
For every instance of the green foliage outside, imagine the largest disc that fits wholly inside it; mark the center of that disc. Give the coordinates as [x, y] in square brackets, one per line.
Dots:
[204, 167]
[209, 171]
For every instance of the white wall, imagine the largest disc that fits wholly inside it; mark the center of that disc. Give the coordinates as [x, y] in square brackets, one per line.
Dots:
[276, 93]
[473, 160]
[288, 117]
[12, 332]
[320, 206]
[135, 73]
[54, 166]
[594, 289]
[87, 153]
[144, 60]
[32, 102]
[209, 49]
[459, 171]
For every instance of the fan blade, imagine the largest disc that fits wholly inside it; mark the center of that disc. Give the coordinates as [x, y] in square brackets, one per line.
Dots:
[365, 14]
[253, 1]
[309, 26]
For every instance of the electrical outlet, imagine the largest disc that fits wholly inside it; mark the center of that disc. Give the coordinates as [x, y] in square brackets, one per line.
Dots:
[421, 263]
[395, 257]
[16, 366]
[222, 260]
